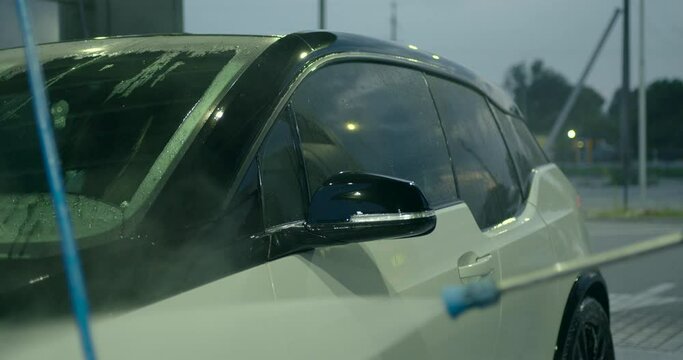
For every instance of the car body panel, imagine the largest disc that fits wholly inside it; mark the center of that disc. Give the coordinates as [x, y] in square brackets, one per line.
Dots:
[413, 268]
[377, 299]
[557, 203]
[526, 245]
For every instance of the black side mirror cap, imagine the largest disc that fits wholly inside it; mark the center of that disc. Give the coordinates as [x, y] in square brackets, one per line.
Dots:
[359, 197]
[355, 207]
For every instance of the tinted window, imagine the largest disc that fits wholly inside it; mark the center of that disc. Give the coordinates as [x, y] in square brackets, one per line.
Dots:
[280, 176]
[112, 117]
[373, 118]
[484, 171]
[525, 150]
[243, 217]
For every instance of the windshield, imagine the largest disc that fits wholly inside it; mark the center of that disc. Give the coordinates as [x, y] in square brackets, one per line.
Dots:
[112, 117]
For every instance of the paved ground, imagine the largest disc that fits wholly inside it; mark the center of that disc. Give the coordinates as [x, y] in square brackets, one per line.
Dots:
[646, 293]
[597, 194]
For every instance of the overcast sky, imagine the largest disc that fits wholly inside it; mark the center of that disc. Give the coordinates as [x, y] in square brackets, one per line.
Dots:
[485, 35]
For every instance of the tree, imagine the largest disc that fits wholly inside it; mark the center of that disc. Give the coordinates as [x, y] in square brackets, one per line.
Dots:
[664, 118]
[541, 93]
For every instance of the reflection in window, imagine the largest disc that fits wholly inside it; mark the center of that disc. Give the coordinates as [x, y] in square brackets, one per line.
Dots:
[373, 118]
[282, 199]
[484, 171]
[525, 150]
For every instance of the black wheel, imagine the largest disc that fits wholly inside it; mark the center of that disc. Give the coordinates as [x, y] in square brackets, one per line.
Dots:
[588, 336]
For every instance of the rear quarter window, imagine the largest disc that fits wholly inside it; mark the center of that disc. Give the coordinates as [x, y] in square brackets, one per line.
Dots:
[485, 174]
[525, 151]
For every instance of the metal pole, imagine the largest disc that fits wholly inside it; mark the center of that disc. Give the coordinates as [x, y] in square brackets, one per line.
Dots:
[53, 170]
[592, 261]
[393, 20]
[479, 294]
[321, 15]
[625, 67]
[642, 107]
[569, 104]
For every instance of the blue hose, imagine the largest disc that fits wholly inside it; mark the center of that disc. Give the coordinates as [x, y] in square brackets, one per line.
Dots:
[53, 169]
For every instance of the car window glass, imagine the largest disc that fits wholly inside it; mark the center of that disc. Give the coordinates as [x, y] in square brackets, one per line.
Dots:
[526, 152]
[245, 206]
[280, 176]
[112, 117]
[373, 118]
[485, 174]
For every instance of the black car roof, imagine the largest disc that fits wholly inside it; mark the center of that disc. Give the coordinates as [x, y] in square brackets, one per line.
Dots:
[323, 43]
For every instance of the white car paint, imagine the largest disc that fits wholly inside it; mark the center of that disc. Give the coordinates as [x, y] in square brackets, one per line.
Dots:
[378, 299]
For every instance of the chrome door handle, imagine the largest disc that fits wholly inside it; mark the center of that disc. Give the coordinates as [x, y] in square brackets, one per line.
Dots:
[480, 267]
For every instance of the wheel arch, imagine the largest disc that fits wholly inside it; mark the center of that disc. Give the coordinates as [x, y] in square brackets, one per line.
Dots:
[587, 284]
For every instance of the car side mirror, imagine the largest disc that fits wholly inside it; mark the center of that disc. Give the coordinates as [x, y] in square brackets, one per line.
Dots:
[354, 207]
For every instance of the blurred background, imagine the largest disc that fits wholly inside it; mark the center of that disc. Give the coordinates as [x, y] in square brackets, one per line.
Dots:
[630, 180]
[537, 50]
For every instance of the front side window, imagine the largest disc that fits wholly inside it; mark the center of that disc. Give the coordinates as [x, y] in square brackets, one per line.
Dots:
[484, 171]
[373, 118]
[281, 179]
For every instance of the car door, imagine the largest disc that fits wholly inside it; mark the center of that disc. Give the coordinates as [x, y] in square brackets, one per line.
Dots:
[543, 323]
[379, 118]
[490, 183]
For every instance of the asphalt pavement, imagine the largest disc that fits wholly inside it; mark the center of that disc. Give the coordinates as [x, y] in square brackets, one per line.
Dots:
[646, 294]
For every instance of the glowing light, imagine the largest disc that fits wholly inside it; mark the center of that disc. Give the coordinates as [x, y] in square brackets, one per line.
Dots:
[508, 221]
[357, 194]
[93, 50]
[39, 278]
[219, 114]
[571, 134]
[398, 259]
[435, 57]
[502, 224]
[100, 37]
[351, 126]
[303, 55]
[580, 144]
[413, 47]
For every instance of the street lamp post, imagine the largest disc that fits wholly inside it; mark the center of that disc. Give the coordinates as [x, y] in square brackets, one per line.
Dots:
[642, 107]
[321, 15]
[624, 123]
[393, 20]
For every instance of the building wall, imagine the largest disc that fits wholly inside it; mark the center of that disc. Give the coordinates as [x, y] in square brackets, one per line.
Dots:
[121, 17]
[55, 20]
[44, 14]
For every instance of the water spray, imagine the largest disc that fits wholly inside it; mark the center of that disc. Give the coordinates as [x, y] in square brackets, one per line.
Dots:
[459, 299]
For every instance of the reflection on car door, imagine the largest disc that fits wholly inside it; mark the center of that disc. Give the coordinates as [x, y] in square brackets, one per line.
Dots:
[381, 119]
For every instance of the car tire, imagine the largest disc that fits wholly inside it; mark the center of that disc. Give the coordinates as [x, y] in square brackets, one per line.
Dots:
[588, 336]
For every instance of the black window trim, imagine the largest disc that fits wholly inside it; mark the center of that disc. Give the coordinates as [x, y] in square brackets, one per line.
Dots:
[300, 155]
[445, 138]
[334, 58]
[489, 104]
[419, 70]
[531, 175]
[522, 189]
[293, 126]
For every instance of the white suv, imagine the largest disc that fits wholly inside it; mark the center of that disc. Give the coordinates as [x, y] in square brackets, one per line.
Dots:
[305, 196]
